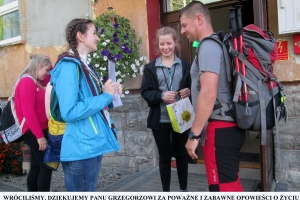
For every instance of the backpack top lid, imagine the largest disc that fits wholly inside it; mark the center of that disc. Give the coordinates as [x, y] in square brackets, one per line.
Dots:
[264, 39]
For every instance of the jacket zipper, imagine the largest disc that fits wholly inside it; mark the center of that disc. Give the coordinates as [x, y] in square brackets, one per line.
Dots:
[93, 125]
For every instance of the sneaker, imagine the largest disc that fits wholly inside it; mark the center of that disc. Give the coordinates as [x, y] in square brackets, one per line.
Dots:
[183, 190]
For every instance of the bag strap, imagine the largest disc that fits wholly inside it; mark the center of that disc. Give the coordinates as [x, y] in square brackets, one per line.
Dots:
[219, 114]
[243, 59]
[225, 53]
[17, 82]
[12, 104]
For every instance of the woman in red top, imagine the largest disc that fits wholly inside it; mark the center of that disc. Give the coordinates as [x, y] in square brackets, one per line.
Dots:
[30, 104]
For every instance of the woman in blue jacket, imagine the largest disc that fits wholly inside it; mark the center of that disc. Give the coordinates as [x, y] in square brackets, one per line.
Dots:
[84, 104]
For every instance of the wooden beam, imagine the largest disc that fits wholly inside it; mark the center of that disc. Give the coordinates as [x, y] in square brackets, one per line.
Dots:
[153, 19]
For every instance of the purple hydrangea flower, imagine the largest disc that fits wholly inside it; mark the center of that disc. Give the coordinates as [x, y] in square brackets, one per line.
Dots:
[116, 40]
[116, 25]
[96, 28]
[102, 31]
[105, 52]
[129, 51]
[126, 36]
[104, 78]
[115, 35]
[118, 56]
[110, 56]
[125, 48]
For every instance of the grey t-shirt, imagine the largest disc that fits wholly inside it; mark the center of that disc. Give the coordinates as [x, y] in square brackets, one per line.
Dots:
[210, 59]
[173, 76]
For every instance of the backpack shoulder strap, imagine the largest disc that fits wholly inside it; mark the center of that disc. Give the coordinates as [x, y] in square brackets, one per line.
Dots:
[17, 82]
[221, 113]
[218, 37]
[67, 54]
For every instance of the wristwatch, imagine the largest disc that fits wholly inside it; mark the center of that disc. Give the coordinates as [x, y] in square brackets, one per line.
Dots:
[194, 137]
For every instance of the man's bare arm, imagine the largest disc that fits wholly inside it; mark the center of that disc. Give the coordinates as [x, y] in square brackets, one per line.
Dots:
[205, 104]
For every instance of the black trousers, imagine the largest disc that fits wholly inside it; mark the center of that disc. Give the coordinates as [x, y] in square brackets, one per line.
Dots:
[39, 176]
[171, 144]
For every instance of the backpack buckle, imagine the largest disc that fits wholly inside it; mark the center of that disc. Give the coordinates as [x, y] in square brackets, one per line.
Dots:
[280, 85]
[282, 99]
[272, 77]
[235, 73]
[235, 53]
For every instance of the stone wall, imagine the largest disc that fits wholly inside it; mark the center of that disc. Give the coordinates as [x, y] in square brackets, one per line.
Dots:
[287, 168]
[138, 149]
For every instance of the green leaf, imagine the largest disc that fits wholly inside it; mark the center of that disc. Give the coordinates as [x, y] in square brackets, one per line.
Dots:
[127, 38]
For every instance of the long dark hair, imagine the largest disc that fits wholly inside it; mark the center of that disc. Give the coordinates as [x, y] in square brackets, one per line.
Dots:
[76, 25]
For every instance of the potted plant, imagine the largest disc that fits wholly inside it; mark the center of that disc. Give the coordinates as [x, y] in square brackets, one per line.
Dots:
[118, 43]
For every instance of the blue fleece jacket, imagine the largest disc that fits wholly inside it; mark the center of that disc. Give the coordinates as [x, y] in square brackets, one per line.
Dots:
[87, 134]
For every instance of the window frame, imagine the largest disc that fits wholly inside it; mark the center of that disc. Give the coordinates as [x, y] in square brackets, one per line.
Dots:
[217, 3]
[6, 9]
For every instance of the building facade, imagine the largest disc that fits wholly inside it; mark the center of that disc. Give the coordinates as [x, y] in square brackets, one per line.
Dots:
[30, 27]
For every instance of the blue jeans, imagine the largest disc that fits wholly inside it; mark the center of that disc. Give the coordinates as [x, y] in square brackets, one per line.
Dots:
[82, 175]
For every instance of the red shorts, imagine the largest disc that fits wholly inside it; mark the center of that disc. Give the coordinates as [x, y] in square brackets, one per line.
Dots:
[221, 155]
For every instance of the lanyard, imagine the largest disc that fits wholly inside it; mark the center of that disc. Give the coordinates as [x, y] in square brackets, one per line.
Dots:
[171, 78]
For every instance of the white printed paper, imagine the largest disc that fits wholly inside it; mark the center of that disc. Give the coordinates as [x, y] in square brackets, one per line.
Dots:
[112, 75]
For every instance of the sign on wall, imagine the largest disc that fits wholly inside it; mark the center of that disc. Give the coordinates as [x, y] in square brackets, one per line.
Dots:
[282, 50]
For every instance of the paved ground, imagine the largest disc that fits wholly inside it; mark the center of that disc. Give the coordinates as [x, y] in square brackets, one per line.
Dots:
[8, 187]
[148, 180]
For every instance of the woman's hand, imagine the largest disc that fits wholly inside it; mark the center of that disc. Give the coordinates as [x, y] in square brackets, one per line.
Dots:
[119, 88]
[169, 97]
[185, 92]
[42, 143]
[109, 87]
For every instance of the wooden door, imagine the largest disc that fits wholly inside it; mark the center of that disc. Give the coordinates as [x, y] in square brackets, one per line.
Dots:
[172, 20]
[253, 12]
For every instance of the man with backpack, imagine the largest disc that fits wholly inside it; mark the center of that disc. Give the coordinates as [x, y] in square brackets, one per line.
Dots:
[223, 139]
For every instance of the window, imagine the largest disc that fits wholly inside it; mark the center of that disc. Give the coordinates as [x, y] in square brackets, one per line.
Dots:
[173, 5]
[9, 22]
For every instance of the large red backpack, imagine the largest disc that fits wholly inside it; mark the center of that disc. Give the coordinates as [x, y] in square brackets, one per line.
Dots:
[258, 101]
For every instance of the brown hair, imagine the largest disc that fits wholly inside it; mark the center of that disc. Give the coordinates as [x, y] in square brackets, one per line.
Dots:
[76, 25]
[166, 31]
[194, 8]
